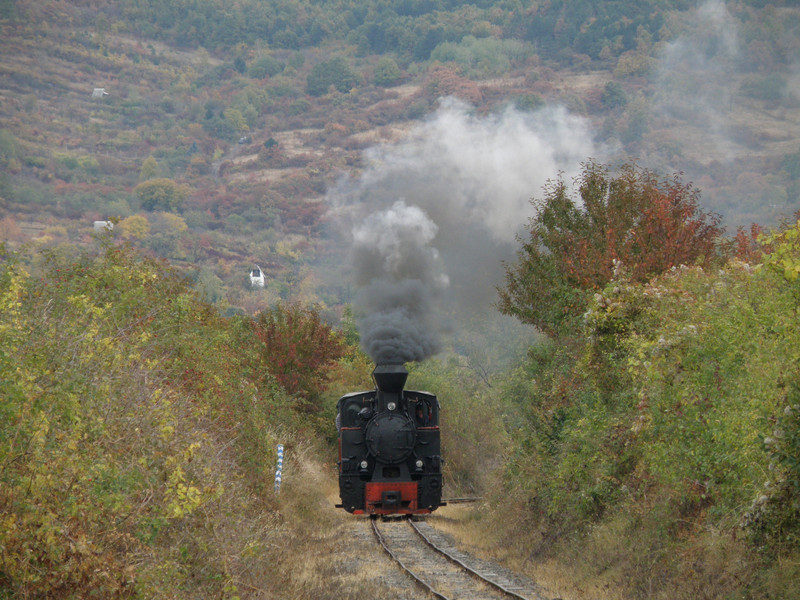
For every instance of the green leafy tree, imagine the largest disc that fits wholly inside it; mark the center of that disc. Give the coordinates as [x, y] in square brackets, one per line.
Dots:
[646, 223]
[771, 87]
[135, 226]
[161, 194]
[8, 146]
[236, 119]
[209, 286]
[297, 60]
[791, 164]
[613, 95]
[265, 66]
[149, 169]
[486, 55]
[335, 72]
[528, 102]
[387, 73]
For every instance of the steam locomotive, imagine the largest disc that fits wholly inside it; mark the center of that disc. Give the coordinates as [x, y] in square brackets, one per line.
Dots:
[389, 449]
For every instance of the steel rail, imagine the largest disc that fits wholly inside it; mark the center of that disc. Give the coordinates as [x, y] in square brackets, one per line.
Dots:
[413, 575]
[461, 564]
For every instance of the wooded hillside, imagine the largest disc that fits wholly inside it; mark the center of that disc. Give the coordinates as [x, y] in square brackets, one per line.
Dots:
[307, 87]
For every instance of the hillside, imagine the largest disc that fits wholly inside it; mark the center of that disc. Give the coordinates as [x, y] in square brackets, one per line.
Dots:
[70, 159]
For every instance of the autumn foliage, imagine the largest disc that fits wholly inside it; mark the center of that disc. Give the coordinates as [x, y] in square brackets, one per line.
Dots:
[129, 428]
[297, 348]
[646, 223]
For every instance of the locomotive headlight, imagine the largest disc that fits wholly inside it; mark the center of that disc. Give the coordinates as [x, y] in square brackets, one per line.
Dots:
[419, 463]
[364, 464]
[391, 406]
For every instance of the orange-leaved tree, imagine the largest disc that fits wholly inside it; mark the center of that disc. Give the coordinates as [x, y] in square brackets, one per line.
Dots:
[298, 349]
[648, 224]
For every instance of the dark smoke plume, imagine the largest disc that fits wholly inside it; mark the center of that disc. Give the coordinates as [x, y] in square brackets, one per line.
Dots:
[399, 274]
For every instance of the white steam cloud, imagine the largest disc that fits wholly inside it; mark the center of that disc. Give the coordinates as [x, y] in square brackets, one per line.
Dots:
[695, 72]
[432, 218]
[463, 168]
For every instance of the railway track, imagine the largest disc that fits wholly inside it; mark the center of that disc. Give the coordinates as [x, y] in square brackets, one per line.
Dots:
[448, 574]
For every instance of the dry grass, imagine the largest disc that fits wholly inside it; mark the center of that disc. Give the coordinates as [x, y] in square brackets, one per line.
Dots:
[327, 553]
[612, 561]
[490, 537]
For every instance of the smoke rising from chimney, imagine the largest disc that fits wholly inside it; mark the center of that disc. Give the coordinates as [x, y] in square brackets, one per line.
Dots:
[399, 274]
[431, 219]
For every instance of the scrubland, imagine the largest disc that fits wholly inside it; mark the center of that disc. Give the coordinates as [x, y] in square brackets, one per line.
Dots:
[654, 459]
[657, 456]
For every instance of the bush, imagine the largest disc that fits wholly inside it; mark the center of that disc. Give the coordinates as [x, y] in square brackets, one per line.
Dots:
[132, 434]
[161, 194]
[387, 73]
[771, 87]
[791, 164]
[529, 102]
[265, 66]
[613, 95]
[484, 56]
[334, 72]
[662, 423]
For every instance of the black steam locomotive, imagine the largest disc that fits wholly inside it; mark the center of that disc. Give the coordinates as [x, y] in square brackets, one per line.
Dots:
[389, 450]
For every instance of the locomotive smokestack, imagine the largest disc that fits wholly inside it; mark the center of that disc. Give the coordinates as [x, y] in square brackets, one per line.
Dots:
[390, 378]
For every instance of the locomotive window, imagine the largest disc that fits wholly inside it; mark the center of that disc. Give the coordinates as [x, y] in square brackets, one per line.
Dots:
[424, 411]
[350, 416]
[354, 410]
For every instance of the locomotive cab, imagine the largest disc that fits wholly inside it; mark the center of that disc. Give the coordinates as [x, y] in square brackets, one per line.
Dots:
[389, 447]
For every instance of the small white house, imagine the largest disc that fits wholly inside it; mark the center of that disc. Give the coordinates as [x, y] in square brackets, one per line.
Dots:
[101, 226]
[99, 93]
[257, 277]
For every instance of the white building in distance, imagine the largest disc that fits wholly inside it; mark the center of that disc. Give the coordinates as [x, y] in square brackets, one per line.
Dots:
[101, 226]
[257, 277]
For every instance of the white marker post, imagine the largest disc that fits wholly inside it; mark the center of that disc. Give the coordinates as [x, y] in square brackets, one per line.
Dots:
[279, 469]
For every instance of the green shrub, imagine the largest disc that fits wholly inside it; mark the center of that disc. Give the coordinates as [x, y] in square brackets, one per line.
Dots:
[529, 102]
[771, 87]
[265, 66]
[387, 73]
[613, 95]
[484, 56]
[335, 72]
[161, 194]
[666, 419]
